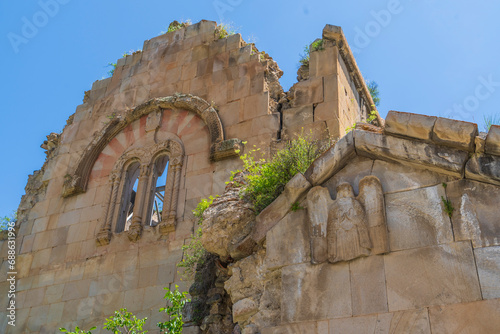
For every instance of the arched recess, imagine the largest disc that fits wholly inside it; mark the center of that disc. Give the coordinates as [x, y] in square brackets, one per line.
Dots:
[77, 179]
[145, 158]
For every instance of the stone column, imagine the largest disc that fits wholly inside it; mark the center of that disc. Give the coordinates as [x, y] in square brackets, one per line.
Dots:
[104, 234]
[171, 195]
[135, 229]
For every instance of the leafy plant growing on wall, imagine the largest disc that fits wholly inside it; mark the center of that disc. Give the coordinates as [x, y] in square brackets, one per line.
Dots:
[491, 120]
[77, 330]
[314, 46]
[175, 303]
[223, 30]
[124, 322]
[194, 253]
[267, 179]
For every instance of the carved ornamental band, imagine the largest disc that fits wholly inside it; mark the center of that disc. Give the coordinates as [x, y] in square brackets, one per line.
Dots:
[348, 227]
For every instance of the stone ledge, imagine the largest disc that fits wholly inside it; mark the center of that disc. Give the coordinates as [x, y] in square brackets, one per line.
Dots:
[409, 125]
[331, 161]
[438, 158]
[453, 133]
[492, 144]
[483, 167]
[275, 211]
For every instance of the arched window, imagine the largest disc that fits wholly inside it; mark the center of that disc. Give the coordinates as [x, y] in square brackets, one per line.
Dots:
[143, 191]
[129, 191]
[157, 191]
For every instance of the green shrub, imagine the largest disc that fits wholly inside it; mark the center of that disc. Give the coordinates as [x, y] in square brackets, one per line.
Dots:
[77, 330]
[314, 46]
[267, 179]
[176, 25]
[123, 322]
[201, 207]
[194, 253]
[175, 303]
[223, 30]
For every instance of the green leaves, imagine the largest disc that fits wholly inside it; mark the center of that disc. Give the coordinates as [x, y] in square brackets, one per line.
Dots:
[175, 303]
[124, 322]
[77, 330]
[194, 254]
[266, 180]
[374, 92]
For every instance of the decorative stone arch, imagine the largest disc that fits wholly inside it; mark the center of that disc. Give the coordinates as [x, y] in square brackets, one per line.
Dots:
[146, 157]
[76, 180]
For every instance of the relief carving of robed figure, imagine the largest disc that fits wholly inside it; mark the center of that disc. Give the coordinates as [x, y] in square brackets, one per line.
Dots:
[348, 227]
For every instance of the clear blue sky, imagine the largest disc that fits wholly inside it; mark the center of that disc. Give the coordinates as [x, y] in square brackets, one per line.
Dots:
[427, 56]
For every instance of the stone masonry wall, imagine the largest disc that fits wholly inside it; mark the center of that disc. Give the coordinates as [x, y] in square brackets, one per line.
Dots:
[436, 210]
[199, 96]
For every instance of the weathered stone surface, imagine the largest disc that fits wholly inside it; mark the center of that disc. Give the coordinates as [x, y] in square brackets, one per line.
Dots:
[308, 92]
[315, 292]
[311, 327]
[409, 125]
[242, 283]
[483, 167]
[488, 268]
[492, 144]
[271, 215]
[357, 168]
[297, 117]
[480, 142]
[243, 309]
[476, 212]
[438, 158]
[479, 317]
[455, 133]
[417, 218]
[292, 228]
[368, 285]
[227, 222]
[444, 274]
[396, 176]
[411, 322]
[332, 161]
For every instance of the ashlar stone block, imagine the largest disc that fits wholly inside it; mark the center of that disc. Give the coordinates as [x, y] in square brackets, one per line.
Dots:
[444, 274]
[438, 158]
[478, 317]
[396, 176]
[455, 133]
[368, 285]
[411, 322]
[287, 242]
[492, 144]
[417, 218]
[315, 292]
[488, 268]
[308, 92]
[409, 125]
[476, 213]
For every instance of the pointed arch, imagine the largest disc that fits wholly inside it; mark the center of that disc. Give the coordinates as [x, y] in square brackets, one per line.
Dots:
[76, 180]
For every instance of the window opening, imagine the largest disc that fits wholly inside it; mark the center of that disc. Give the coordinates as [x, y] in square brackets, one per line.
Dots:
[128, 198]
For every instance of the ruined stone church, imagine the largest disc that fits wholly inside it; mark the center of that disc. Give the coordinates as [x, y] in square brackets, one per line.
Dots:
[396, 230]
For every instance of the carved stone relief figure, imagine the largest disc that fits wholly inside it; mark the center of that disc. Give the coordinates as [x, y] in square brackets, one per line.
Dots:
[347, 227]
